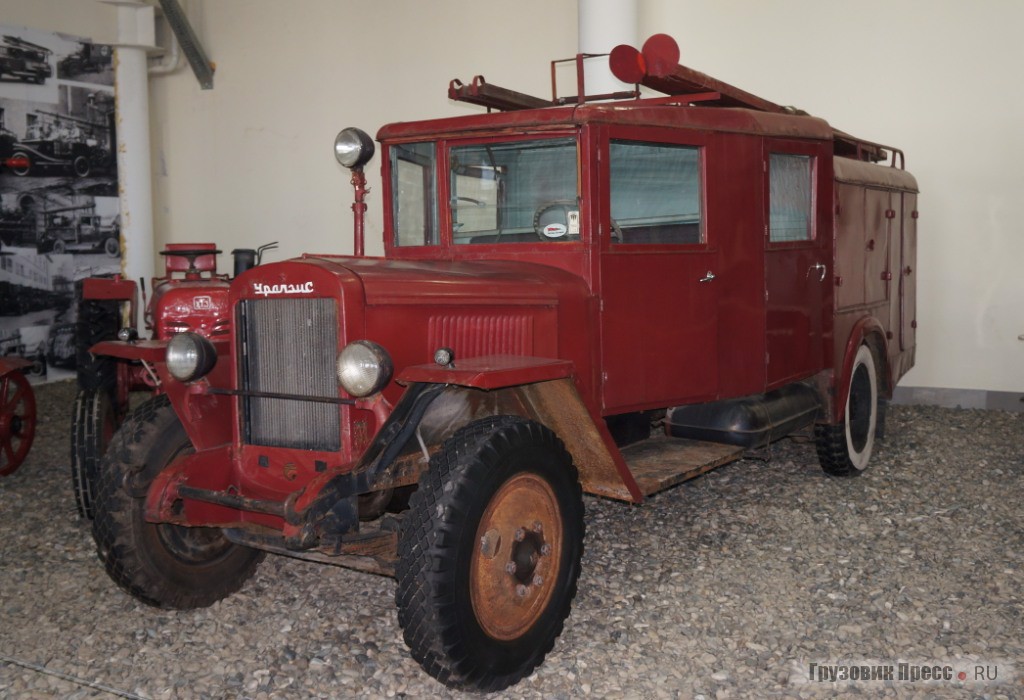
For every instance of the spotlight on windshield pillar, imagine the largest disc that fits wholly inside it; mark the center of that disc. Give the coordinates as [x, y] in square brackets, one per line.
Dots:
[353, 148]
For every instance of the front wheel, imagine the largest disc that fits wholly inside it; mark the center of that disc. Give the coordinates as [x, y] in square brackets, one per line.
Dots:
[489, 554]
[844, 449]
[168, 566]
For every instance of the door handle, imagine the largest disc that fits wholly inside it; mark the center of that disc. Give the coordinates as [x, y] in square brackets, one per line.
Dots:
[708, 277]
[820, 268]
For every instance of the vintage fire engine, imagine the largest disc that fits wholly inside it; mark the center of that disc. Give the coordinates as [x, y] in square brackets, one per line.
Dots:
[191, 296]
[24, 60]
[558, 276]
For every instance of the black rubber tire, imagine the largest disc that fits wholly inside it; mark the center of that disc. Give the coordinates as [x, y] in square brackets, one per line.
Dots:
[59, 247]
[23, 170]
[93, 424]
[436, 547]
[81, 166]
[112, 247]
[845, 449]
[167, 566]
[38, 368]
[97, 320]
[883, 412]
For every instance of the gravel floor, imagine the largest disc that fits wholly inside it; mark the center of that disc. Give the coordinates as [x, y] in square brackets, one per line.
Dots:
[727, 586]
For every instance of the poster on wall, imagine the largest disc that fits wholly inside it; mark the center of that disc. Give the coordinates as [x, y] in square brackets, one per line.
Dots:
[59, 209]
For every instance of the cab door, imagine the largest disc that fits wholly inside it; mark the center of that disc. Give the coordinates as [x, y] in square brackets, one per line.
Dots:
[659, 288]
[798, 259]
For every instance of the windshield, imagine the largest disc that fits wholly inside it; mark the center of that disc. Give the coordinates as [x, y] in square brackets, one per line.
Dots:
[515, 192]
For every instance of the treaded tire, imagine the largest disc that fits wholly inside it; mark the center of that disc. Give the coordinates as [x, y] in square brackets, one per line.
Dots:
[845, 449]
[97, 320]
[93, 423]
[483, 473]
[167, 566]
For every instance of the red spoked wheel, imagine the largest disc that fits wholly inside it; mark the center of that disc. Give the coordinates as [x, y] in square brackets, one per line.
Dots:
[17, 420]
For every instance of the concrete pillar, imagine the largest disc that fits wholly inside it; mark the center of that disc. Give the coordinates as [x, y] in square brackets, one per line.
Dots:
[604, 24]
[136, 37]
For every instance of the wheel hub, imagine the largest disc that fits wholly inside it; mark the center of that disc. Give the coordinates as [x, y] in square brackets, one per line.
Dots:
[514, 566]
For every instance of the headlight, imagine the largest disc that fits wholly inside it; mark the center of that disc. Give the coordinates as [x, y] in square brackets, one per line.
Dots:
[190, 356]
[364, 368]
[353, 147]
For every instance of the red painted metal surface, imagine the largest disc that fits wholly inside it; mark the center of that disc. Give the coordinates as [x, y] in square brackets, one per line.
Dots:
[490, 372]
[17, 414]
[359, 211]
[116, 288]
[636, 326]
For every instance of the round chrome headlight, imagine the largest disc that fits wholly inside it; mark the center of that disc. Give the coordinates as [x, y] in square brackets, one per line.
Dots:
[190, 356]
[353, 147]
[364, 368]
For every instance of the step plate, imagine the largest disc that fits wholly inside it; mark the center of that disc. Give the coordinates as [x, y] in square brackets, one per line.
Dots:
[663, 462]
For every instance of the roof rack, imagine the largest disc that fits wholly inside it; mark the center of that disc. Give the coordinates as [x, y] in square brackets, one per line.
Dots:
[17, 42]
[656, 66]
[480, 92]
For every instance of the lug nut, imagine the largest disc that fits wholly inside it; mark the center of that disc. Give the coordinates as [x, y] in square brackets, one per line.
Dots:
[545, 550]
[520, 535]
[537, 580]
[510, 568]
[521, 590]
[538, 527]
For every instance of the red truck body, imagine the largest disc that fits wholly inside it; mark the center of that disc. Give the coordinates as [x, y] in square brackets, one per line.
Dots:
[729, 270]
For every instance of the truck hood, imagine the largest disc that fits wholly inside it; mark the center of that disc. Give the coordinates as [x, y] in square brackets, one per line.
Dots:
[429, 282]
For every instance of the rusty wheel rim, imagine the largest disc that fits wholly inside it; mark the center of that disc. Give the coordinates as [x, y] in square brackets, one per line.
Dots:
[17, 421]
[516, 557]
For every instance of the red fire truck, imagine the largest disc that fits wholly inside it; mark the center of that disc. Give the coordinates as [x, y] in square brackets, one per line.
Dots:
[560, 275]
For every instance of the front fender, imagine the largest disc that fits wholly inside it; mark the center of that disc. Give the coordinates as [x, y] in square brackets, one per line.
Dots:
[205, 414]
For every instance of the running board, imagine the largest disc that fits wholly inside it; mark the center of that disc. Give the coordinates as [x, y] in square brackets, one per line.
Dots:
[663, 462]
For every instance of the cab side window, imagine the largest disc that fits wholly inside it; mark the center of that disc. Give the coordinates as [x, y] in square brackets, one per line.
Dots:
[790, 186]
[655, 193]
[414, 200]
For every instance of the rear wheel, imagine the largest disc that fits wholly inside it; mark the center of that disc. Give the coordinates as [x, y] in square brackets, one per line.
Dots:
[81, 166]
[845, 449]
[489, 554]
[94, 423]
[164, 565]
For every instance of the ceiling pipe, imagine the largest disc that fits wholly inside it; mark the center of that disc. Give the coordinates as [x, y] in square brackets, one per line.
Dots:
[603, 25]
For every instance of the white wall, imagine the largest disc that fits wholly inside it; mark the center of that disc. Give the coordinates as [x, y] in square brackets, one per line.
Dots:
[937, 78]
[251, 161]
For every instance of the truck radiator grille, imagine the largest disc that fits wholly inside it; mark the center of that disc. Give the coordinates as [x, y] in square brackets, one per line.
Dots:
[289, 346]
